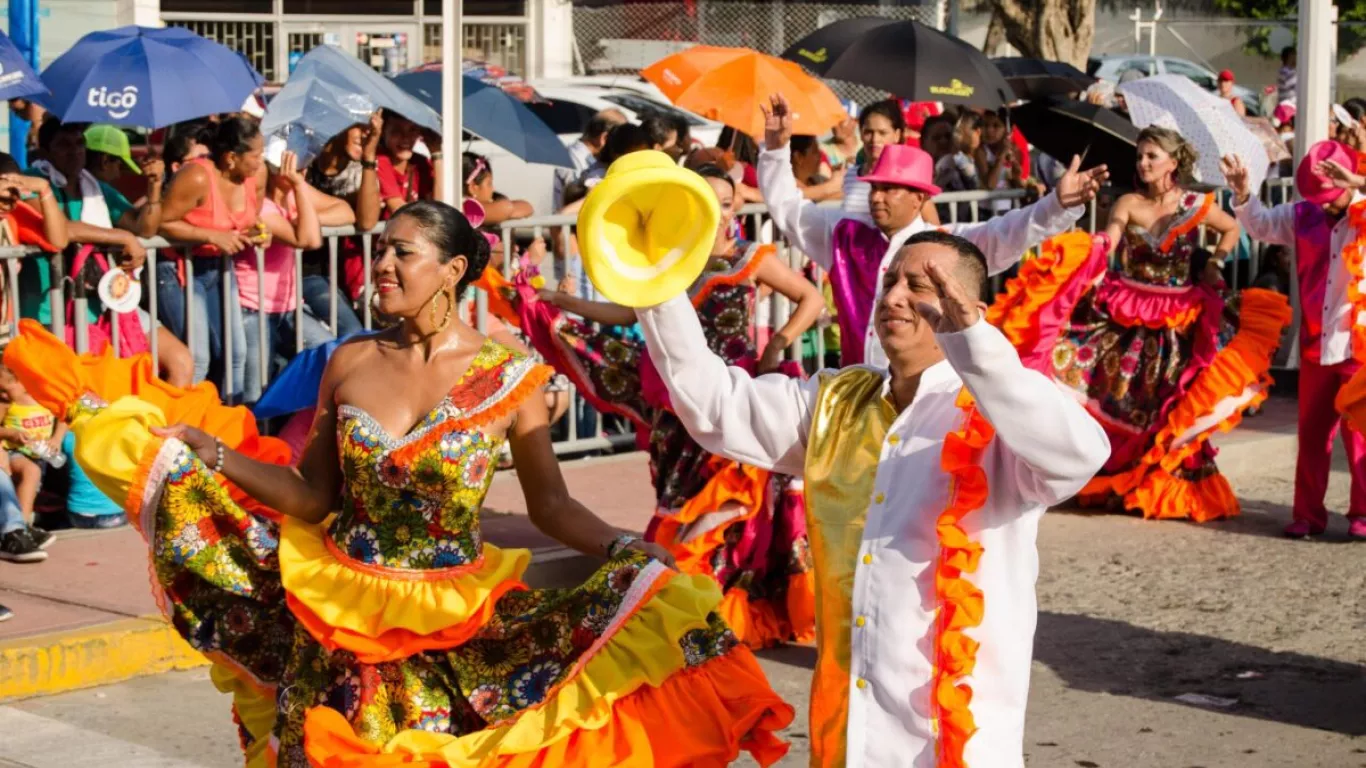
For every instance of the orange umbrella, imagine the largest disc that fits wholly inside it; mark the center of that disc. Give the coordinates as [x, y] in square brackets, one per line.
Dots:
[729, 84]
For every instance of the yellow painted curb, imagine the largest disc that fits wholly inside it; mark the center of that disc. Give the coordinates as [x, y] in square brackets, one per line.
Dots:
[41, 665]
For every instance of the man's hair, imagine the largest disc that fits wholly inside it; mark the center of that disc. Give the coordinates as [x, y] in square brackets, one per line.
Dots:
[802, 143]
[52, 126]
[1286, 53]
[8, 164]
[971, 267]
[601, 123]
[658, 127]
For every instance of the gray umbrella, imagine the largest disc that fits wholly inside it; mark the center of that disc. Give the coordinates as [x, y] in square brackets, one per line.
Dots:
[329, 91]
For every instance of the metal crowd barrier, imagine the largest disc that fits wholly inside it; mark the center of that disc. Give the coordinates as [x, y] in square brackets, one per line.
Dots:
[557, 231]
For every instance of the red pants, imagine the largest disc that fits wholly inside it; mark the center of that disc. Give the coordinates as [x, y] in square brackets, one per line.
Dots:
[1319, 422]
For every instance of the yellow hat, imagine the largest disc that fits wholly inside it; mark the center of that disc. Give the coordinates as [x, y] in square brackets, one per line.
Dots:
[646, 230]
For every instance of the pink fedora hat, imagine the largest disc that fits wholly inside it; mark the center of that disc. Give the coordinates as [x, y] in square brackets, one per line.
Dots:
[1314, 187]
[905, 167]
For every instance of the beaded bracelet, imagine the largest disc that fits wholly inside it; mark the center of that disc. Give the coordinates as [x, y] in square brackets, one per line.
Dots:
[218, 465]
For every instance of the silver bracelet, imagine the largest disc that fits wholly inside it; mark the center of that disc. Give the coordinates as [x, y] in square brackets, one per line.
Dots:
[218, 465]
[619, 543]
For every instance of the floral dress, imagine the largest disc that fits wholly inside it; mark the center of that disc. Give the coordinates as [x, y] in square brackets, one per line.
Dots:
[1161, 361]
[741, 525]
[393, 632]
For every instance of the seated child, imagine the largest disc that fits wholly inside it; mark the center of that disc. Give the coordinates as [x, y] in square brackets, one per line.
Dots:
[31, 438]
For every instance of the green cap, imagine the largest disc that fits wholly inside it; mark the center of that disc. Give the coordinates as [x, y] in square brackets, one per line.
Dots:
[111, 141]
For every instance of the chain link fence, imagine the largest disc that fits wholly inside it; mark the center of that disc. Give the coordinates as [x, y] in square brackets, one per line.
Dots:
[625, 38]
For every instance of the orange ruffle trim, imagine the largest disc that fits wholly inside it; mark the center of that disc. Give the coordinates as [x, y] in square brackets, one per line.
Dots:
[758, 624]
[533, 380]
[1351, 399]
[1016, 311]
[1180, 230]
[650, 728]
[734, 278]
[492, 282]
[56, 377]
[1243, 365]
[731, 484]
[961, 605]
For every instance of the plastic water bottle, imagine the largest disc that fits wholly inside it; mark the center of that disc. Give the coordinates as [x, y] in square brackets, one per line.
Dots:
[53, 456]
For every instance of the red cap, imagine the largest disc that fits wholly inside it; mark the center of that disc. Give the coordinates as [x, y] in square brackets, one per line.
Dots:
[1226, 75]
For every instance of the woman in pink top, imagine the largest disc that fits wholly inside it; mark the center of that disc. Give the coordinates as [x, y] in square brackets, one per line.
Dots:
[290, 215]
[212, 201]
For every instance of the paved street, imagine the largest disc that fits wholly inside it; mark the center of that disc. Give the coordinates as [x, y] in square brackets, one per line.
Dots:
[1133, 614]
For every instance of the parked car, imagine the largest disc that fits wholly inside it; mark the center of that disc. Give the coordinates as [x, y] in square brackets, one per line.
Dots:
[567, 109]
[1112, 66]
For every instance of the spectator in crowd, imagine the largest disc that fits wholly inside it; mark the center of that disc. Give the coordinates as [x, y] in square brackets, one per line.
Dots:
[404, 175]
[34, 113]
[30, 441]
[109, 158]
[478, 176]
[622, 140]
[1003, 162]
[663, 133]
[1285, 78]
[185, 142]
[936, 136]
[1341, 124]
[1354, 131]
[959, 171]
[37, 222]
[744, 152]
[915, 113]
[213, 201]
[16, 545]
[584, 152]
[1226, 92]
[843, 146]
[880, 124]
[806, 168]
[682, 134]
[291, 218]
[347, 170]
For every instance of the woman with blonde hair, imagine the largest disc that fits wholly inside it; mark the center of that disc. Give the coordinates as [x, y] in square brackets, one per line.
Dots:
[1152, 348]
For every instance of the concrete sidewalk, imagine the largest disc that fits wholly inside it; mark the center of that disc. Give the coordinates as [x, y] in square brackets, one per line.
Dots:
[86, 617]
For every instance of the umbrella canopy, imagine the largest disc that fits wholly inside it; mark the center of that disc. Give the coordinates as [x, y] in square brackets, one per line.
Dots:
[729, 84]
[17, 78]
[147, 77]
[330, 91]
[906, 58]
[1276, 150]
[1205, 120]
[1037, 78]
[1066, 128]
[491, 114]
[490, 74]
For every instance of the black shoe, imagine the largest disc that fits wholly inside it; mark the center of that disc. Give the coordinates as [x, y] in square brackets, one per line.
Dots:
[5, 613]
[42, 538]
[18, 547]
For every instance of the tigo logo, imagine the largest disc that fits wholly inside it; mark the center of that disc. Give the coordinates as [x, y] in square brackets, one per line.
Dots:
[118, 103]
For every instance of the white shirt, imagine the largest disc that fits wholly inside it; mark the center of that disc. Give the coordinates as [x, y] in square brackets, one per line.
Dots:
[1277, 226]
[1003, 239]
[582, 157]
[1046, 448]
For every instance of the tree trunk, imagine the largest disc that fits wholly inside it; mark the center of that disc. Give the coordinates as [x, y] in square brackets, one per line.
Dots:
[996, 34]
[1057, 30]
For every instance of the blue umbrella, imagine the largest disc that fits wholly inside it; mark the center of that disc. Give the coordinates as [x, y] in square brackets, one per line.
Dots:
[329, 91]
[147, 77]
[491, 114]
[17, 78]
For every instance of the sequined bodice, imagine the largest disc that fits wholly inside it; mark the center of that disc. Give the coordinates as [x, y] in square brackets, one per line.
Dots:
[412, 502]
[1163, 258]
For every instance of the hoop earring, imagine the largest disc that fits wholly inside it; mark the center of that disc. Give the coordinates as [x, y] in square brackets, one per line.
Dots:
[438, 327]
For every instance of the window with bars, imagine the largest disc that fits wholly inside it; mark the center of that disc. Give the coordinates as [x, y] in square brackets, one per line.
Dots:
[253, 39]
[500, 44]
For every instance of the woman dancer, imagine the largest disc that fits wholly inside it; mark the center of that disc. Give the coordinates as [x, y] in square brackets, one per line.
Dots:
[390, 632]
[738, 524]
[1152, 348]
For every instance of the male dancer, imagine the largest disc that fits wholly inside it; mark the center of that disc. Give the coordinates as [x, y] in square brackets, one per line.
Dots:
[856, 249]
[1321, 228]
[925, 481]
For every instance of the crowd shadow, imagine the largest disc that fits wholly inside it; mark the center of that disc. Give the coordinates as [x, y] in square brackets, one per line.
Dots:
[1120, 659]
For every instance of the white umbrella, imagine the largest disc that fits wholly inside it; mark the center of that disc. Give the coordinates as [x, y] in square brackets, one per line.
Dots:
[1205, 120]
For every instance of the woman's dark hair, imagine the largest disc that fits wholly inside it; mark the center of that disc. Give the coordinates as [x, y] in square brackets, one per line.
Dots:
[888, 108]
[8, 164]
[713, 171]
[934, 120]
[1355, 107]
[658, 127]
[801, 144]
[623, 140]
[51, 126]
[450, 233]
[234, 134]
[469, 162]
[739, 143]
[971, 120]
[177, 146]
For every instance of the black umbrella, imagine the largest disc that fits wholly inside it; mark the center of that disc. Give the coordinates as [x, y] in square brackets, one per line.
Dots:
[1066, 128]
[1037, 78]
[905, 58]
